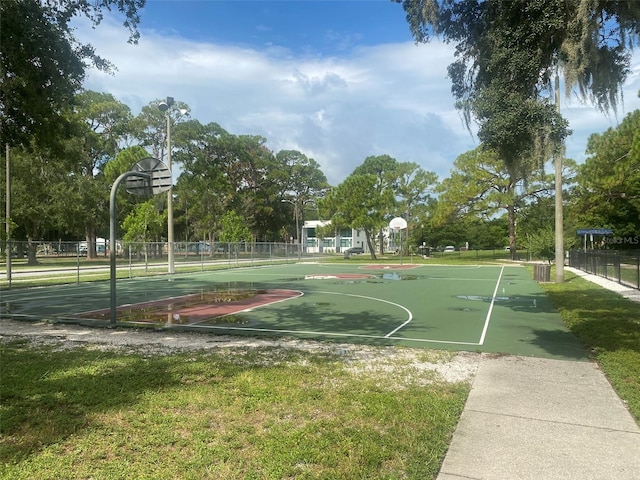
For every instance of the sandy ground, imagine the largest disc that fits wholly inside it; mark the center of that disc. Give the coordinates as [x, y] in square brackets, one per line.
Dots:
[405, 365]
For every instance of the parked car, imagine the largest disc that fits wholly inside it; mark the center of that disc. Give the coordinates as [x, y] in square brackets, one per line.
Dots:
[449, 249]
[354, 250]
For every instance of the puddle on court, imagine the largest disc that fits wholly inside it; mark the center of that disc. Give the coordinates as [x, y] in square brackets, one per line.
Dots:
[385, 276]
[396, 276]
[382, 278]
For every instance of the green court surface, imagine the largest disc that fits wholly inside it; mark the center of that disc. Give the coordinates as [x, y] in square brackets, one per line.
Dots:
[498, 309]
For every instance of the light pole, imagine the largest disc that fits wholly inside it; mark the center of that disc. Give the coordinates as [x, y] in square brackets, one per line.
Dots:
[297, 217]
[9, 248]
[164, 106]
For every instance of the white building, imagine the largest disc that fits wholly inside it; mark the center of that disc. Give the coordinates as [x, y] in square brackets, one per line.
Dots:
[336, 242]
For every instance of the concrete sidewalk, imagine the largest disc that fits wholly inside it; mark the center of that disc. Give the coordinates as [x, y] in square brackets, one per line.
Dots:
[632, 294]
[542, 419]
[534, 418]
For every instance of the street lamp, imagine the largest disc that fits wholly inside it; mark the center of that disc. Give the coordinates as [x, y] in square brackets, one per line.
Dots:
[164, 107]
[8, 249]
[297, 217]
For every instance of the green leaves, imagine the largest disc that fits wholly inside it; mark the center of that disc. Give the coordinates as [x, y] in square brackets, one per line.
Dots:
[40, 74]
[43, 65]
[609, 180]
[508, 52]
[234, 228]
[144, 223]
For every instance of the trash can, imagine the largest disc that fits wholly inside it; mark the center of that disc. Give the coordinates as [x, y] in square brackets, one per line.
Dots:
[542, 272]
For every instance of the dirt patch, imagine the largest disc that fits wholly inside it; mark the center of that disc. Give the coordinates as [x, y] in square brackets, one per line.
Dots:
[400, 366]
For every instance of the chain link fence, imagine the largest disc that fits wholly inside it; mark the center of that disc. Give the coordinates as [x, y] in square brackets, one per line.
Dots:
[622, 266]
[32, 260]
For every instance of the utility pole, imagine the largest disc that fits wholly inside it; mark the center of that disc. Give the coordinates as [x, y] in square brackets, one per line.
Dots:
[7, 227]
[559, 229]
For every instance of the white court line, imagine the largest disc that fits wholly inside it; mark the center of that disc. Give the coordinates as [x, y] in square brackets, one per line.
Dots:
[383, 301]
[399, 327]
[251, 309]
[328, 334]
[493, 300]
[409, 313]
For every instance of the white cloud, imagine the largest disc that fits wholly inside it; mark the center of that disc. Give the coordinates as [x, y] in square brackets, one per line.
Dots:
[390, 99]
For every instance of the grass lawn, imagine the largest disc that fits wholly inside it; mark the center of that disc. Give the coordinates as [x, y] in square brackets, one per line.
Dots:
[263, 413]
[607, 324]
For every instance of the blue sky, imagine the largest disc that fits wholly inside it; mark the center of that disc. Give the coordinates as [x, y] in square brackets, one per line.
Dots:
[337, 80]
[303, 26]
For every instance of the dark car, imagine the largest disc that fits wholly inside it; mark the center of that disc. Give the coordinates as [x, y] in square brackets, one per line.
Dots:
[354, 251]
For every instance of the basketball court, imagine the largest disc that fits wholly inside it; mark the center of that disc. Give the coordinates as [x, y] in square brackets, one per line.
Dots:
[496, 309]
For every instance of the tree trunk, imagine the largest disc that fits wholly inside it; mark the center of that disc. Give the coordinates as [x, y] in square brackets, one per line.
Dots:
[511, 211]
[32, 249]
[372, 249]
[559, 214]
[511, 215]
[91, 242]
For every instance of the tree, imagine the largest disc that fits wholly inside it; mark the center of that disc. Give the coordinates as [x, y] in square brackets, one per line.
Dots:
[608, 190]
[234, 228]
[385, 170]
[44, 196]
[102, 123]
[413, 191]
[143, 224]
[587, 40]
[459, 230]
[481, 185]
[302, 183]
[43, 64]
[251, 171]
[123, 162]
[106, 123]
[537, 214]
[223, 172]
[508, 54]
[150, 128]
[355, 203]
[541, 244]
[204, 191]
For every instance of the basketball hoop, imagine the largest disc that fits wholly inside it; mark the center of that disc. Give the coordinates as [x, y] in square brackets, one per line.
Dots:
[398, 223]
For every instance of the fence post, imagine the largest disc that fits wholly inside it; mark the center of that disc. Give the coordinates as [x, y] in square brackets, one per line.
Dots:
[9, 253]
[78, 261]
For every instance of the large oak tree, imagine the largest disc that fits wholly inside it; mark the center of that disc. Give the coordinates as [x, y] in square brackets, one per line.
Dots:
[508, 56]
